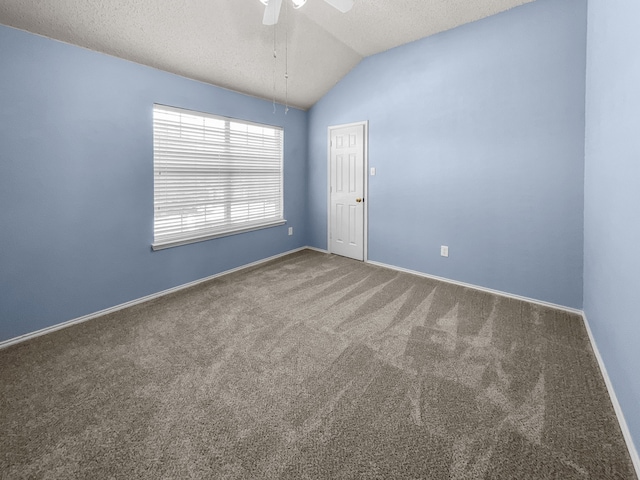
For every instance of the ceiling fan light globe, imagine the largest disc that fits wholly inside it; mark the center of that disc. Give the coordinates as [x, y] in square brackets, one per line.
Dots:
[298, 3]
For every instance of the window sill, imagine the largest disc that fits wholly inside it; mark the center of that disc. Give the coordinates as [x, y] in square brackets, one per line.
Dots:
[176, 243]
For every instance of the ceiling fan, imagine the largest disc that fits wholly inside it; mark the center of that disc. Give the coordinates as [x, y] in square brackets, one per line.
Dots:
[272, 10]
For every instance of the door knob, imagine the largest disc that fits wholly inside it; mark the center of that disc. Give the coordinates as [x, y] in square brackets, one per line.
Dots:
[359, 200]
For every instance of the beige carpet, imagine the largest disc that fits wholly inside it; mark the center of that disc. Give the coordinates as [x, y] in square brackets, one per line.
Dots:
[310, 367]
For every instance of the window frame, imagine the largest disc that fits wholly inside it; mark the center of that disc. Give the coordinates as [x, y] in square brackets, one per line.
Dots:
[206, 231]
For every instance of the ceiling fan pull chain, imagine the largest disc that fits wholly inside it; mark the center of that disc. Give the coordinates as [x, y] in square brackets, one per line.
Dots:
[286, 58]
[275, 61]
[274, 77]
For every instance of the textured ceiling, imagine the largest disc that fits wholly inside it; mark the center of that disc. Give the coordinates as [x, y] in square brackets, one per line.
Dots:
[223, 42]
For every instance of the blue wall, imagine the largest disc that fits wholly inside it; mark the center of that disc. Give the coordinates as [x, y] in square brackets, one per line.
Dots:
[612, 196]
[76, 182]
[477, 135]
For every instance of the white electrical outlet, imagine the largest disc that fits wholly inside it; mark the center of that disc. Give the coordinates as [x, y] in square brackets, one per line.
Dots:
[290, 230]
[444, 251]
[373, 171]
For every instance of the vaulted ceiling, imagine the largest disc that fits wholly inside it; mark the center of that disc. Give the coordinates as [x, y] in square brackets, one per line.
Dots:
[223, 42]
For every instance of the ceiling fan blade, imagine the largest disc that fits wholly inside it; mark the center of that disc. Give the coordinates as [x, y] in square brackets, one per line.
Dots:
[272, 12]
[343, 5]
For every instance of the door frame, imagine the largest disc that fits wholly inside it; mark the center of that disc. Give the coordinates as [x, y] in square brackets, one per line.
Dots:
[365, 223]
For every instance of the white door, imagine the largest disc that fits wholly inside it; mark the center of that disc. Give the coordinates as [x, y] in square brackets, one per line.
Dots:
[346, 191]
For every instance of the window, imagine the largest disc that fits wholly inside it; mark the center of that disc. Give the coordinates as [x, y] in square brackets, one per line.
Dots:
[213, 176]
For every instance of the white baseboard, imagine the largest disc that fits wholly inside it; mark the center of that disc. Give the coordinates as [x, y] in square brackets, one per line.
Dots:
[68, 323]
[477, 287]
[315, 249]
[614, 400]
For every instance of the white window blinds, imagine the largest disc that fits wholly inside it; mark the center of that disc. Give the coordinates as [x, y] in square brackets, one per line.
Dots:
[213, 176]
